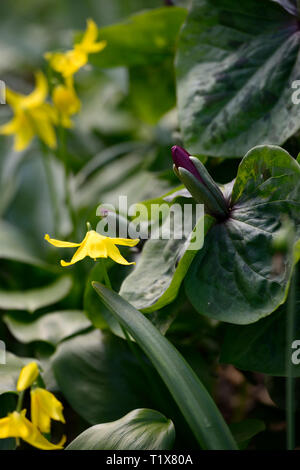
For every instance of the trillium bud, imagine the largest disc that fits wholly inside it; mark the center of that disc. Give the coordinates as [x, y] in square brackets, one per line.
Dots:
[198, 181]
[181, 159]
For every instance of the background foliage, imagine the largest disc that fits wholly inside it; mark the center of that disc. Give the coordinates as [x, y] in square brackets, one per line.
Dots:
[216, 77]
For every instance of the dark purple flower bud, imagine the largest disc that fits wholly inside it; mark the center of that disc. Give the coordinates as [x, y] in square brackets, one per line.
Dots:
[181, 159]
[198, 181]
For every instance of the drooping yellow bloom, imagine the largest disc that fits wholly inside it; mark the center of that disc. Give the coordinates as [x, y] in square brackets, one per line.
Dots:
[95, 246]
[44, 406]
[68, 63]
[17, 425]
[32, 116]
[27, 376]
[66, 102]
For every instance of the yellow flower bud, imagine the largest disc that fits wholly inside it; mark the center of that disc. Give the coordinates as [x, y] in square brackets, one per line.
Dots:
[27, 376]
[66, 102]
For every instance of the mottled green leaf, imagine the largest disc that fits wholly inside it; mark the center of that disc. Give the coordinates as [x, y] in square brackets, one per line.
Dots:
[233, 278]
[156, 280]
[235, 66]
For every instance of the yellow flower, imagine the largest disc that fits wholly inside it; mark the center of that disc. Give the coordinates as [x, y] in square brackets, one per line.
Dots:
[44, 406]
[95, 246]
[32, 116]
[17, 425]
[66, 102]
[68, 63]
[27, 376]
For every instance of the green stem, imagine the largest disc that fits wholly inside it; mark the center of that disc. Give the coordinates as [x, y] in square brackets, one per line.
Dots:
[105, 275]
[51, 187]
[290, 383]
[19, 409]
[20, 401]
[62, 152]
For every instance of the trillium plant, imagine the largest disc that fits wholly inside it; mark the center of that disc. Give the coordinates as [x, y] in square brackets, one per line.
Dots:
[186, 110]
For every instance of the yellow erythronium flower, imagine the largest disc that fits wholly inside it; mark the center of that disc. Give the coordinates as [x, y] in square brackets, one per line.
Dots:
[95, 246]
[32, 116]
[66, 102]
[68, 63]
[27, 376]
[17, 425]
[45, 406]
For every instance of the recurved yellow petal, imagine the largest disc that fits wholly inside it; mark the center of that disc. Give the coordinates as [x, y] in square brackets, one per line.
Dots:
[33, 116]
[114, 253]
[39, 94]
[13, 98]
[17, 425]
[125, 241]
[43, 126]
[91, 33]
[44, 407]
[79, 254]
[27, 376]
[10, 127]
[88, 43]
[59, 243]
[24, 132]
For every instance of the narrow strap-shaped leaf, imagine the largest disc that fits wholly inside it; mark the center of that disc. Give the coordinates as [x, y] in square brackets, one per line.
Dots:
[192, 398]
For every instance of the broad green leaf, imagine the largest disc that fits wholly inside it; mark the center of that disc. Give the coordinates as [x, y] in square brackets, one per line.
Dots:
[233, 278]
[262, 346]
[15, 246]
[193, 400]
[141, 429]
[152, 90]
[156, 280]
[51, 328]
[235, 65]
[145, 38]
[34, 299]
[245, 430]
[39, 218]
[100, 367]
